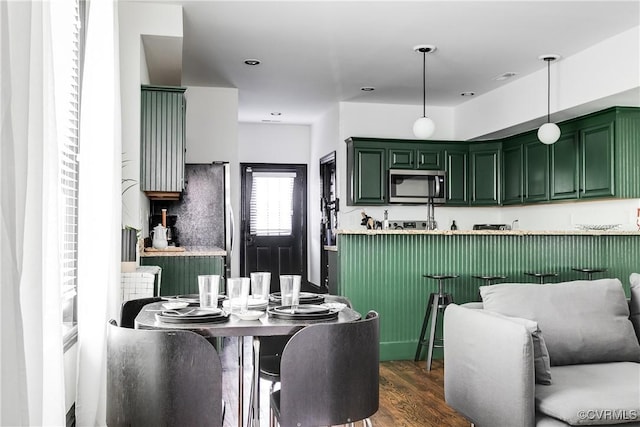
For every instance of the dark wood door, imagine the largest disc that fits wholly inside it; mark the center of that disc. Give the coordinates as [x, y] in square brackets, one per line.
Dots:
[274, 220]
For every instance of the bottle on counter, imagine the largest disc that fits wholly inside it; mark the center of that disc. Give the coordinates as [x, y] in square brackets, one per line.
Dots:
[453, 225]
[385, 222]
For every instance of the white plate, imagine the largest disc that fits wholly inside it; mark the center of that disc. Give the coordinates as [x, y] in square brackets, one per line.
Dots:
[250, 315]
[175, 305]
[334, 305]
[253, 303]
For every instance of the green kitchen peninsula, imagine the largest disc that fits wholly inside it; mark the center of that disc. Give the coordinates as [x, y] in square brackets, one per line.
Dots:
[382, 270]
[180, 269]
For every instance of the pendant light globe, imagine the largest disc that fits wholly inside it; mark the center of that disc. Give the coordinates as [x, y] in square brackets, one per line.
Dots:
[423, 128]
[549, 133]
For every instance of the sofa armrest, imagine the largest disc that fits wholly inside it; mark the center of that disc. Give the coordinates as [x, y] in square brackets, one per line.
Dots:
[489, 371]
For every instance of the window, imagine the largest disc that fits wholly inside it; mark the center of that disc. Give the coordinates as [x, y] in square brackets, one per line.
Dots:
[272, 203]
[69, 146]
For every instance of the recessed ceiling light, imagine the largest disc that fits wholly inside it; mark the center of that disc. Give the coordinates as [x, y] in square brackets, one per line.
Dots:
[252, 61]
[505, 76]
[467, 93]
[276, 113]
[367, 88]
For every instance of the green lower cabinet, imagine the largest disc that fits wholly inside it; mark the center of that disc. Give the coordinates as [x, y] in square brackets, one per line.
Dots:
[384, 272]
[596, 152]
[456, 166]
[485, 174]
[536, 172]
[564, 168]
[180, 273]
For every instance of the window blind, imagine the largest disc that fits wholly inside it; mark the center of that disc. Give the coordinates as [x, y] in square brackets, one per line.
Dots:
[69, 148]
[271, 203]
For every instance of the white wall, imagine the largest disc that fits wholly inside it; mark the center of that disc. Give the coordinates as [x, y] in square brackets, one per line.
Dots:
[135, 20]
[566, 216]
[274, 143]
[212, 124]
[212, 135]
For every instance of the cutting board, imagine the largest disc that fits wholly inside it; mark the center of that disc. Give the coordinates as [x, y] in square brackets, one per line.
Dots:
[167, 249]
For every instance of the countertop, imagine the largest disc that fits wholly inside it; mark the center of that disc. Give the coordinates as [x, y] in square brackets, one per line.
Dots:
[499, 232]
[189, 251]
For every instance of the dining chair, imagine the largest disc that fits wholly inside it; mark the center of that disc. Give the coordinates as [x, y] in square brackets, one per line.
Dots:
[162, 377]
[131, 308]
[271, 348]
[329, 375]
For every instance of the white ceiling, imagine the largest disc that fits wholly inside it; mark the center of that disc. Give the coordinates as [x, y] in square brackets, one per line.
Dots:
[314, 54]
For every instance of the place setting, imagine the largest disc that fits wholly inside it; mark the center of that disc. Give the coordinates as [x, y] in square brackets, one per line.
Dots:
[296, 305]
[196, 308]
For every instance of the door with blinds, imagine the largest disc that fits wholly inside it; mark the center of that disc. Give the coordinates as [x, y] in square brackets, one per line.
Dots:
[274, 220]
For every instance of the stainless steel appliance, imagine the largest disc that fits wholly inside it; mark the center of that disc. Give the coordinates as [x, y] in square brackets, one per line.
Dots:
[491, 227]
[408, 225]
[412, 186]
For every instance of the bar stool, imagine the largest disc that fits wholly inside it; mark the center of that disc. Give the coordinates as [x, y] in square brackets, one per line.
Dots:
[437, 303]
[590, 271]
[489, 279]
[541, 276]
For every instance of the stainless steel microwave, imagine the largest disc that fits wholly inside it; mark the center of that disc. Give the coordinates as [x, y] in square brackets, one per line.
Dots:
[417, 186]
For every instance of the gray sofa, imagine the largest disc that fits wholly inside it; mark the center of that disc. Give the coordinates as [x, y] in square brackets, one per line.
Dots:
[546, 355]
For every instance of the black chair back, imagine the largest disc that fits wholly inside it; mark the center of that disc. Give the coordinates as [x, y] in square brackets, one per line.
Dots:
[131, 308]
[162, 378]
[330, 374]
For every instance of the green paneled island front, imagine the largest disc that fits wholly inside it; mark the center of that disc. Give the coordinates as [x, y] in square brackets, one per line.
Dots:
[180, 269]
[383, 270]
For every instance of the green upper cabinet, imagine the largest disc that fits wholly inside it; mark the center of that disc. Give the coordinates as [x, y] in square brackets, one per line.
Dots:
[367, 171]
[430, 157]
[485, 173]
[401, 158]
[512, 173]
[427, 156]
[536, 171]
[597, 155]
[596, 158]
[162, 145]
[564, 168]
[456, 166]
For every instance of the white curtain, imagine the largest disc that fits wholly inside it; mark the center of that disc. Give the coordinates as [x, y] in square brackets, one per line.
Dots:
[99, 208]
[31, 354]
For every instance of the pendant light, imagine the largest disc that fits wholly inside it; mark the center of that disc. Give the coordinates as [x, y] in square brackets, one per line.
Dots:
[549, 132]
[423, 127]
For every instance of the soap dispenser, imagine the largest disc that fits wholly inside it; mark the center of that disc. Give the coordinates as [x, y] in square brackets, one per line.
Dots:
[385, 222]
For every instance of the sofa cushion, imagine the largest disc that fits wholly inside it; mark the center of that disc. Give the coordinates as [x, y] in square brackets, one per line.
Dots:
[541, 363]
[592, 394]
[634, 303]
[583, 321]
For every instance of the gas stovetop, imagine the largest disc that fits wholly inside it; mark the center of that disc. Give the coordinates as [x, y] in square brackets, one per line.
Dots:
[408, 224]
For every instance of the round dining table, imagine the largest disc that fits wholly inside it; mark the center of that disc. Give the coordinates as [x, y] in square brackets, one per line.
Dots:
[265, 325]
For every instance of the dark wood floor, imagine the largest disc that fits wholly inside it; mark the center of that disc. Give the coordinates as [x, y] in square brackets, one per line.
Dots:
[409, 395]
